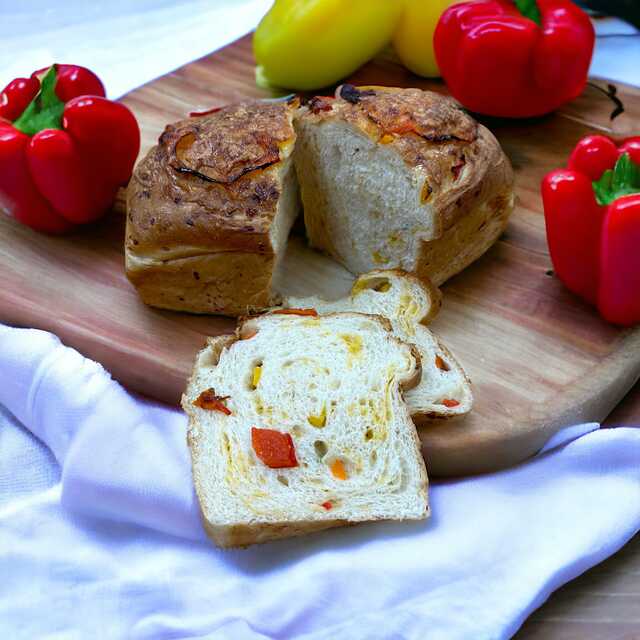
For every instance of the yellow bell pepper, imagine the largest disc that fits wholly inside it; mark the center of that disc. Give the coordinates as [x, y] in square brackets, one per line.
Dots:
[413, 38]
[310, 44]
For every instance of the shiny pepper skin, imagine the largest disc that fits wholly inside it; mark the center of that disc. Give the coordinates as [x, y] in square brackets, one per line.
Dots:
[64, 148]
[310, 45]
[592, 216]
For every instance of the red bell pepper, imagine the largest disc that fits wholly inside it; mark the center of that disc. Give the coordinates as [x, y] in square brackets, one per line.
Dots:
[592, 215]
[274, 448]
[64, 148]
[516, 58]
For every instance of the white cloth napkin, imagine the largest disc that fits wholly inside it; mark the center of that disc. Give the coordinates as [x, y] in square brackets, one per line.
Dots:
[127, 558]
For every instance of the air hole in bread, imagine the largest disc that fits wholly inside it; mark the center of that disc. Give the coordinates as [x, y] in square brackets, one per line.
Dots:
[382, 287]
[320, 448]
[368, 434]
[373, 457]
[296, 431]
[248, 331]
[283, 480]
[211, 356]
[335, 384]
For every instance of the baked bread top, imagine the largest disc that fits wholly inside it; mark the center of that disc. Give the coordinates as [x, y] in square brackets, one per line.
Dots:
[430, 132]
[211, 183]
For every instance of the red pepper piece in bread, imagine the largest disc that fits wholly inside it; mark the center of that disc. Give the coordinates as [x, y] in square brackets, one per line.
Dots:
[211, 402]
[274, 448]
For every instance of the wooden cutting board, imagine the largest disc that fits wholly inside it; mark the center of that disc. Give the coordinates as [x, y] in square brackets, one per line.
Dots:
[539, 358]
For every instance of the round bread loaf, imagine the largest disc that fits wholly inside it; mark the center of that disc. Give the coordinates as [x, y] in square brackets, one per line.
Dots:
[390, 178]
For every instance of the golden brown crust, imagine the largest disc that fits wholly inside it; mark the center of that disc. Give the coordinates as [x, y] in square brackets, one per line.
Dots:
[211, 183]
[210, 283]
[200, 207]
[471, 224]
[423, 113]
[245, 535]
[224, 146]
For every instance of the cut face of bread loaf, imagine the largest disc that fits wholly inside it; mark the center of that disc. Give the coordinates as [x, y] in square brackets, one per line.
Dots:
[444, 390]
[209, 210]
[400, 178]
[332, 384]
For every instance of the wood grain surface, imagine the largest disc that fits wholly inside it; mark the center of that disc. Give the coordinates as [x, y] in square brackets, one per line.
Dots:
[602, 604]
[538, 357]
[627, 413]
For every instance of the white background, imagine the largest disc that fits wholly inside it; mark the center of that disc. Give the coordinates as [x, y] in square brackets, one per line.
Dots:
[127, 43]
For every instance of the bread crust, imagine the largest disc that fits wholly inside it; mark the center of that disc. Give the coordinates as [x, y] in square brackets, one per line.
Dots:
[210, 283]
[473, 221]
[433, 293]
[217, 190]
[210, 186]
[466, 174]
[421, 414]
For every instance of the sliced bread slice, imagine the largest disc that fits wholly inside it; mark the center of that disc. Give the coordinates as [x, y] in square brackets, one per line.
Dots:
[297, 423]
[444, 390]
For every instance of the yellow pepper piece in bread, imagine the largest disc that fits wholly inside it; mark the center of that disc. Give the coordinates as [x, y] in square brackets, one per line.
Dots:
[257, 374]
[320, 420]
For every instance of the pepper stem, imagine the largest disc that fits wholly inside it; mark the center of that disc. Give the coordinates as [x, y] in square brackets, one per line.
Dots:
[622, 180]
[45, 110]
[529, 9]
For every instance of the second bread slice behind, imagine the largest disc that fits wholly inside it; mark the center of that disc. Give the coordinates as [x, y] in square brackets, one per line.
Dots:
[444, 390]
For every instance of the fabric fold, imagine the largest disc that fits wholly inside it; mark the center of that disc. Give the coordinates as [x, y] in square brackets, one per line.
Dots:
[122, 458]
